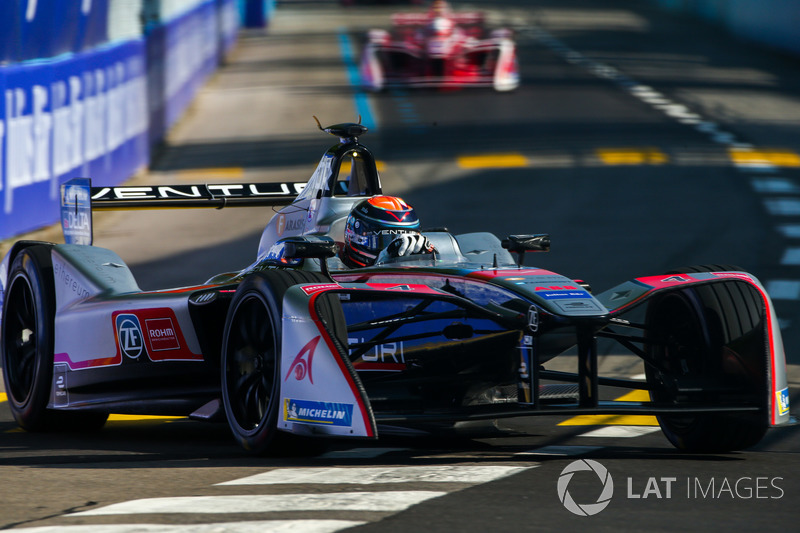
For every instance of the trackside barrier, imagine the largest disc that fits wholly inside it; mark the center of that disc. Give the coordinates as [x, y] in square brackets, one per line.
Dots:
[96, 113]
[46, 28]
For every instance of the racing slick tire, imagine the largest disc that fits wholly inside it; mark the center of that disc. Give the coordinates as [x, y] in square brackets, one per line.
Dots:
[688, 331]
[27, 346]
[250, 365]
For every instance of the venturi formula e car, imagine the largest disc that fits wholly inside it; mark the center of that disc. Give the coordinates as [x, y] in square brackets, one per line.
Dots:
[296, 345]
[440, 49]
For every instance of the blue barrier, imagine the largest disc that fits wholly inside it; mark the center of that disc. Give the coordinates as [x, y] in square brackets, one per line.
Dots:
[82, 115]
[46, 28]
[96, 113]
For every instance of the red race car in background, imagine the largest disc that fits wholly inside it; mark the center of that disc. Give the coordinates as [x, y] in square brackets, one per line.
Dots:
[440, 48]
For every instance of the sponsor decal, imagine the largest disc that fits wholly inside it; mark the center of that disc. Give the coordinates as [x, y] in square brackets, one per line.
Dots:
[64, 277]
[782, 397]
[60, 390]
[155, 332]
[563, 294]
[311, 289]
[533, 319]
[161, 334]
[280, 224]
[676, 279]
[129, 335]
[76, 211]
[301, 366]
[311, 412]
[389, 357]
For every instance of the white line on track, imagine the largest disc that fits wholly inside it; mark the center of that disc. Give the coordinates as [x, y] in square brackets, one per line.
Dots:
[783, 206]
[258, 526]
[389, 501]
[783, 289]
[754, 166]
[792, 231]
[774, 185]
[791, 256]
[620, 431]
[472, 474]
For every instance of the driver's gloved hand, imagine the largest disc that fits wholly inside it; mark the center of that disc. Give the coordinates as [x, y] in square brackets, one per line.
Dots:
[409, 244]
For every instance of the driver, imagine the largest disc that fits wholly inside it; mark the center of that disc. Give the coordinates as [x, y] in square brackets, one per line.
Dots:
[381, 225]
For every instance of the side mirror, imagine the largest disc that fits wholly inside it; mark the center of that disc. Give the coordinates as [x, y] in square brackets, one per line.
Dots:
[520, 244]
[308, 246]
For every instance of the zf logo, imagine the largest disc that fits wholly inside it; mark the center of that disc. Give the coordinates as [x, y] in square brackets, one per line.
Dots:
[129, 335]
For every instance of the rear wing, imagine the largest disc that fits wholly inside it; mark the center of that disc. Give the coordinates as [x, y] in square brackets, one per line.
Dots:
[79, 198]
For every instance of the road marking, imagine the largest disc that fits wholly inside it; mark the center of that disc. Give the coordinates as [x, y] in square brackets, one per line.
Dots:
[387, 474]
[774, 185]
[791, 231]
[783, 206]
[791, 256]
[3, 397]
[493, 161]
[344, 169]
[140, 418]
[631, 156]
[781, 289]
[363, 107]
[764, 158]
[205, 174]
[626, 432]
[393, 501]
[256, 526]
[616, 420]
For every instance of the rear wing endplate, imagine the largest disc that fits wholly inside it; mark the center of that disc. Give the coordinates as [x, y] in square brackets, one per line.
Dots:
[79, 198]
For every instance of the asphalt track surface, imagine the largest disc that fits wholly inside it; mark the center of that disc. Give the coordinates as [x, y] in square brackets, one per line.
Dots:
[702, 167]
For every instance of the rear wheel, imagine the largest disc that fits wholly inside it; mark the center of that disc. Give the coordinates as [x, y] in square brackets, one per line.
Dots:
[27, 346]
[251, 353]
[704, 339]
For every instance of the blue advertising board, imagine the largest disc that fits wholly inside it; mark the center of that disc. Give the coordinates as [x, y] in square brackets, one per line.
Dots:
[34, 29]
[80, 116]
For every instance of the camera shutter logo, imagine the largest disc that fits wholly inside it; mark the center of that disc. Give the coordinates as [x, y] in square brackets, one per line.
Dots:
[586, 509]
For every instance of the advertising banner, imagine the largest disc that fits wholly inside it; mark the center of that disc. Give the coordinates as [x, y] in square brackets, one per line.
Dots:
[34, 29]
[81, 116]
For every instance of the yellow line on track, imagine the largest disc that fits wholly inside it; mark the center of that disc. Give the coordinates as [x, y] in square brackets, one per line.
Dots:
[616, 420]
[205, 174]
[492, 161]
[345, 168]
[778, 158]
[631, 156]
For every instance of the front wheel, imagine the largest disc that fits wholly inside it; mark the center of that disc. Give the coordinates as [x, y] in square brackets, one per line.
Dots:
[251, 354]
[706, 338]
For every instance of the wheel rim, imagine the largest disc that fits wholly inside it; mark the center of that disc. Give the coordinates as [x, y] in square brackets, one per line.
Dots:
[251, 361]
[21, 345]
[680, 343]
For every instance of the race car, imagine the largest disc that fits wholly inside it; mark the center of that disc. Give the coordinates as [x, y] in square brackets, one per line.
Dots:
[296, 345]
[441, 49]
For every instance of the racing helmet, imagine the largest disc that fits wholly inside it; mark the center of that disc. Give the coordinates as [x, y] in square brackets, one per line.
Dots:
[373, 223]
